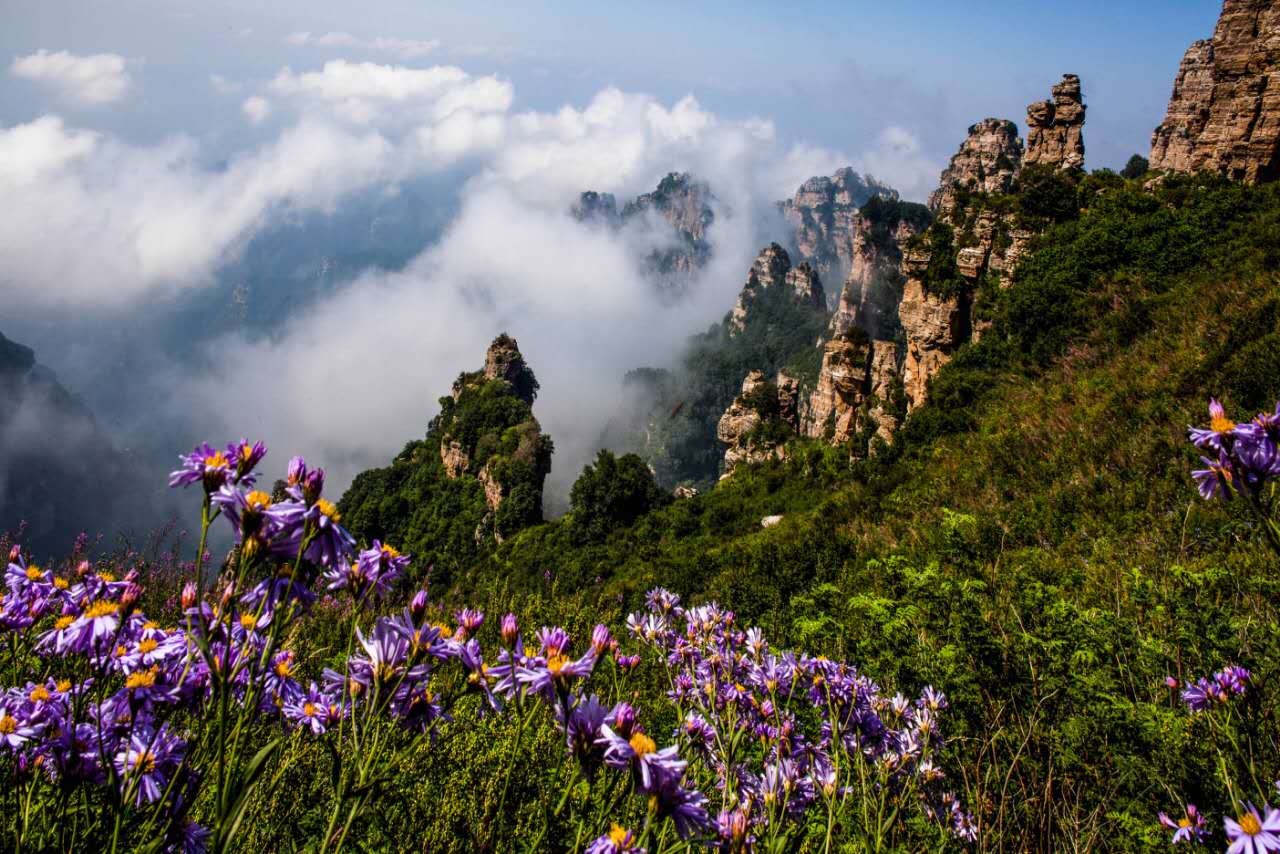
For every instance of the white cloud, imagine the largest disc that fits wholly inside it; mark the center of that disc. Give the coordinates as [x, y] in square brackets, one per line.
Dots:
[106, 222]
[404, 48]
[96, 79]
[32, 151]
[898, 159]
[256, 108]
[369, 93]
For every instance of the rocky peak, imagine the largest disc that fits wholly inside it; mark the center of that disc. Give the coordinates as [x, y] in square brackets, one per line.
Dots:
[685, 203]
[987, 162]
[596, 208]
[1055, 129]
[772, 269]
[825, 219]
[503, 361]
[1224, 114]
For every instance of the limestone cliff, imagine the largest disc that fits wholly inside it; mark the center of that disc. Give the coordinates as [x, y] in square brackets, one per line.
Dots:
[1224, 114]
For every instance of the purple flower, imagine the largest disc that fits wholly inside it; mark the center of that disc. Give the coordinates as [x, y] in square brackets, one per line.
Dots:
[468, 621]
[16, 730]
[1189, 828]
[191, 838]
[600, 639]
[332, 543]
[1252, 833]
[203, 465]
[618, 840]
[375, 570]
[651, 766]
[148, 760]
[582, 733]
[478, 677]
[309, 710]
[246, 457]
[1220, 432]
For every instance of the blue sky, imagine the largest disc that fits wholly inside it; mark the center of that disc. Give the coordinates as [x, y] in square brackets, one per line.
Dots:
[830, 73]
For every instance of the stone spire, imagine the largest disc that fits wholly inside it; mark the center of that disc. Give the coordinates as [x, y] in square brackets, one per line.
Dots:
[1055, 129]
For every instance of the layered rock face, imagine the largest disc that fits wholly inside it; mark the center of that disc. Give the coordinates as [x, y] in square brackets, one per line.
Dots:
[1055, 129]
[772, 269]
[934, 327]
[1224, 114]
[503, 361]
[987, 162]
[824, 215]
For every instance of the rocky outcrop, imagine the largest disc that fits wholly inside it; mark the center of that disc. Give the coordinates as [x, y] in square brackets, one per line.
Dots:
[825, 219]
[760, 402]
[1055, 129]
[842, 387]
[1224, 114]
[503, 362]
[455, 459]
[593, 207]
[934, 327]
[772, 269]
[987, 162]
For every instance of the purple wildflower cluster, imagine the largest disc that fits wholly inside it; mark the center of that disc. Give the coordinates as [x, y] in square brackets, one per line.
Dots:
[780, 735]
[1219, 689]
[1242, 458]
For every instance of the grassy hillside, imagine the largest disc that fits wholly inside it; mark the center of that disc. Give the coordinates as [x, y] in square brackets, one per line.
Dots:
[1033, 544]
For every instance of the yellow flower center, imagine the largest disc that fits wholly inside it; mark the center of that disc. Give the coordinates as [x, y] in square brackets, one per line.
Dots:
[309, 709]
[61, 583]
[34, 572]
[284, 669]
[150, 625]
[146, 761]
[642, 744]
[389, 552]
[141, 679]
[328, 508]
[8, 725]
[1249, 824]
[62, 622]
[63, 686]
[246, 451]
[216, 460]
[247, 622]
[147, 645]
[619, 835]
[258, 500]
[1222, 424]
[445, 631]
[39, 694]
[556, 663]
[107, 577]
[100, 609]
[1184, 822]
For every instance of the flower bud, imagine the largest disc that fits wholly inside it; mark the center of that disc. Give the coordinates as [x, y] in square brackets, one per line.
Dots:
[297, 471]
[313, 485]
[132, 575]
[15, 552]
[600, 639]
[1170, 682]
[510, 630]
[624, 719]
[188, 595]
[418, 605]
[83, 568]
[129, 599]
